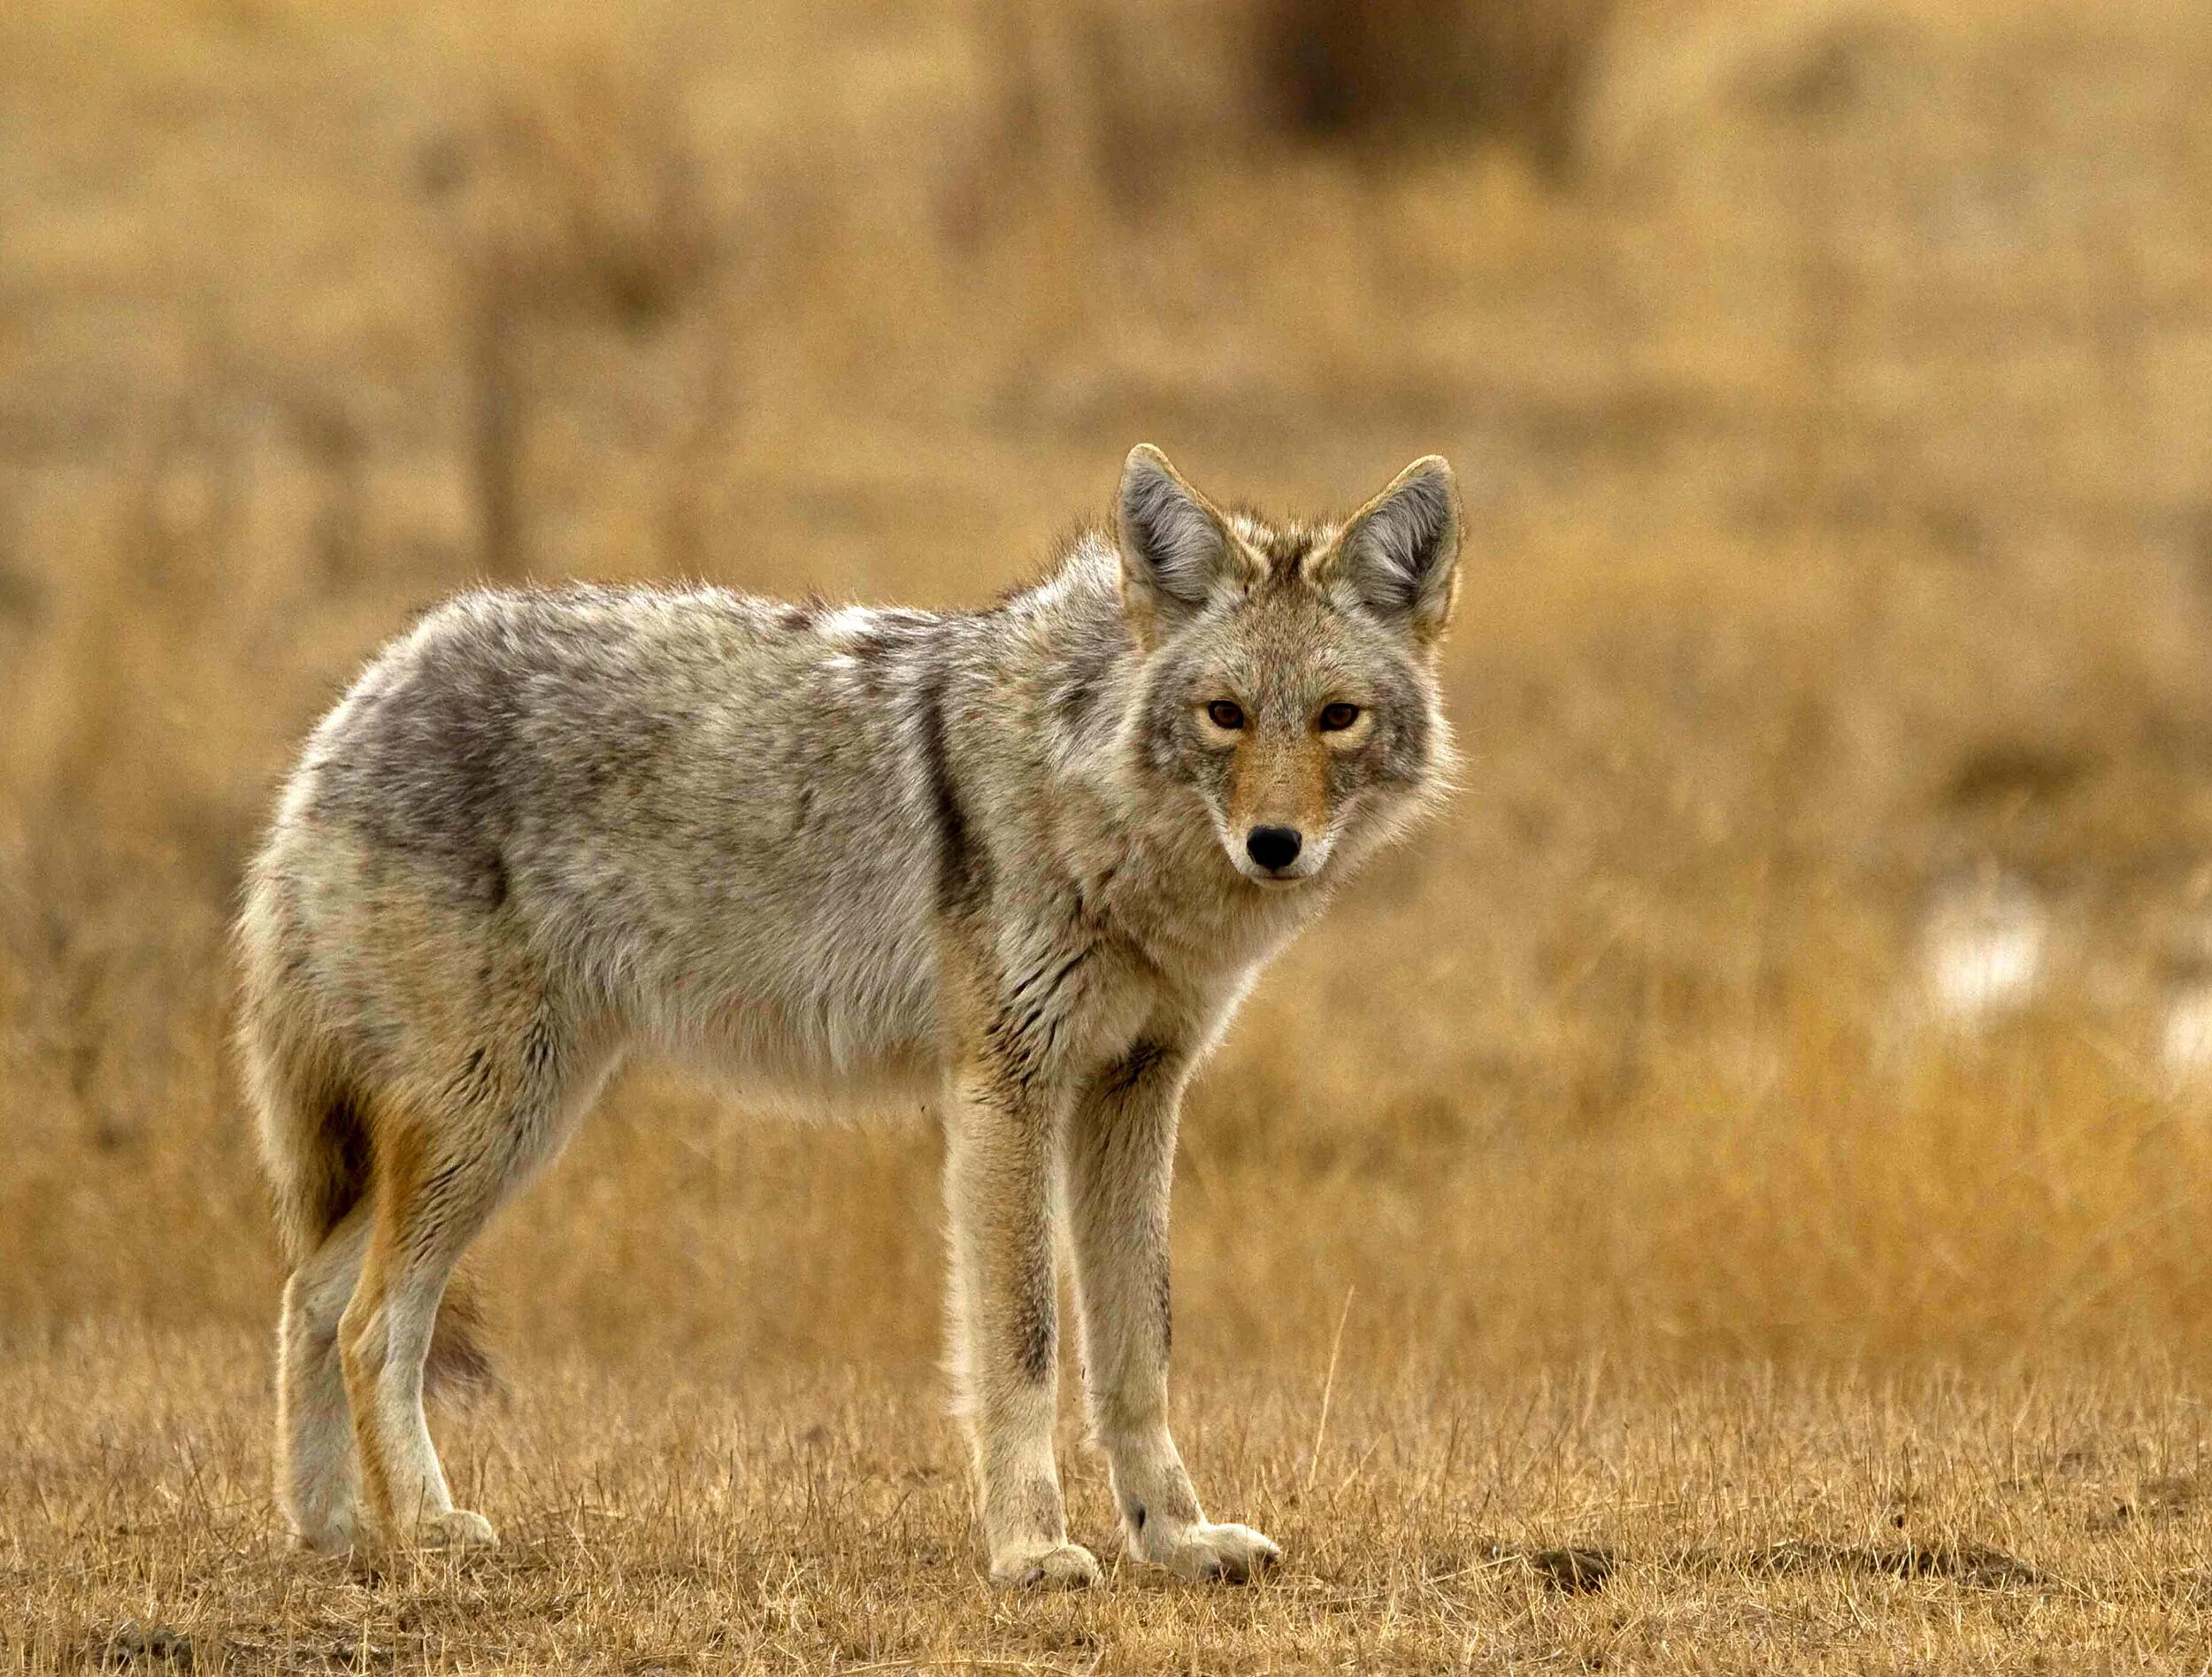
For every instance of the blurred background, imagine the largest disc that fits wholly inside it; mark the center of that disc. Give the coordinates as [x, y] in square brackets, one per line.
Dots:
[1816, 963]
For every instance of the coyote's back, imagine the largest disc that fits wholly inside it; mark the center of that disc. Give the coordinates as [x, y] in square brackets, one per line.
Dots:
[542, 820]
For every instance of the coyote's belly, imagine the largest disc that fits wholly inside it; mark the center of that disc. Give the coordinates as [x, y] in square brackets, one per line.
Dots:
[801, 1001]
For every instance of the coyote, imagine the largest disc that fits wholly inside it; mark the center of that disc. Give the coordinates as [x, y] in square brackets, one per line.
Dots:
[1018, 863]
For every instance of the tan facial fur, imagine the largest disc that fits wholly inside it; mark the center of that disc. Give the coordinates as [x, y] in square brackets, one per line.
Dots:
[1279, 779]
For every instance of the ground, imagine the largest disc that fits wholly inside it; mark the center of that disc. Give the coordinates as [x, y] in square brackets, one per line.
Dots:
[1576, 1522]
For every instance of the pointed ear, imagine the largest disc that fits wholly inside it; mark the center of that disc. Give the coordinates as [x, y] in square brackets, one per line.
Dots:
[1400, 553]
[1176, 548]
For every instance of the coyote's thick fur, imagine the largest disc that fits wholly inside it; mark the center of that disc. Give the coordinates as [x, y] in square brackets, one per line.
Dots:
[1020, 862]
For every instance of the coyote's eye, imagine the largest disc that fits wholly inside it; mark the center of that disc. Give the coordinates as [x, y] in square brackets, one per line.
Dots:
[1336, 717]
[1226, 714]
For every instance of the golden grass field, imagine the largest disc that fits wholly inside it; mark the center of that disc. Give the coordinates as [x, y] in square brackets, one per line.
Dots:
[1643, 1162]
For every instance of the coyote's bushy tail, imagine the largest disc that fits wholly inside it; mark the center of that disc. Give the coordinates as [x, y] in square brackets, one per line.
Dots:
[315, 1142]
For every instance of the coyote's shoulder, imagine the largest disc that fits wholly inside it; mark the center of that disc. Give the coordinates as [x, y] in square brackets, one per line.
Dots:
[1017, 861]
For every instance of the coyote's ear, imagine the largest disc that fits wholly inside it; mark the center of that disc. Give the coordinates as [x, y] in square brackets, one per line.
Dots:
[1176, 548]
[1400, 553]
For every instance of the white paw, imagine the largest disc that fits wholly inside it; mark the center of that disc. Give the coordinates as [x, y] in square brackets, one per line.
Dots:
[1044, 1566]
[458, 1529]
[1209, 1554]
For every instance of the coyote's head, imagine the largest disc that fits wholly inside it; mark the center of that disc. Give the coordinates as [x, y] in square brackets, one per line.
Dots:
[1290, 674]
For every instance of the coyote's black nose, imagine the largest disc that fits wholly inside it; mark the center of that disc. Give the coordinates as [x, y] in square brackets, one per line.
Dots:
[1273, 848]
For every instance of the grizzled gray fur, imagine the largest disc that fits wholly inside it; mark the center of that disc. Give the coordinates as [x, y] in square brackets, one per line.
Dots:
[1016, 865]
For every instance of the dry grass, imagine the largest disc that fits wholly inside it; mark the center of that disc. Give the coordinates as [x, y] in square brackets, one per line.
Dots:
[1835, 384]
[820, 1522]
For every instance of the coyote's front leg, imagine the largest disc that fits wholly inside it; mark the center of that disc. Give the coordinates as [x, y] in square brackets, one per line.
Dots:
[1121, 1155]
[1003, 1143]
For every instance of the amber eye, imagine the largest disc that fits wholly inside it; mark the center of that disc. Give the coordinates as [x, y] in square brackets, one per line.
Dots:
[1226, 714]
[1336, 717]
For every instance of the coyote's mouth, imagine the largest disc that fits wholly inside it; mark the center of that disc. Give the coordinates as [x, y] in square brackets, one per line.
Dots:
[1278, 880]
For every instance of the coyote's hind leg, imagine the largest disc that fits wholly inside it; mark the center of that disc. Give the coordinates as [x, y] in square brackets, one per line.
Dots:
[428, 1207]
[437, 1183]
[315, 1475]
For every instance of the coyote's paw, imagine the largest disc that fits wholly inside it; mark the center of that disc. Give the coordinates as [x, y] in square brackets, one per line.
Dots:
[327, 1537]
[1207, 1554]
[458, 1529]
[1044, 1566]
